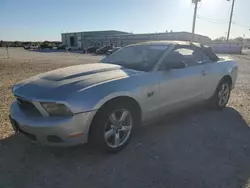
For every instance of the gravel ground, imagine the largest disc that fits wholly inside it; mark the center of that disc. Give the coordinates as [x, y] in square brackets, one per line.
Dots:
[198, 148]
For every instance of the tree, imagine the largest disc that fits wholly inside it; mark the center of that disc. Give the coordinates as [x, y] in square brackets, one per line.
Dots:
[46, 42]
[238, 39]
[17, 44]
[220, 39]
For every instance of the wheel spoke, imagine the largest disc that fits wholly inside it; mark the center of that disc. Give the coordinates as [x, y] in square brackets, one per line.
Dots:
[223, 88]
[225, 98]
[109, 133]
[126, 128]
[117, 139]
[221, 101]
[113, 118]
[225, 91]
[227, 95]
[123, 116]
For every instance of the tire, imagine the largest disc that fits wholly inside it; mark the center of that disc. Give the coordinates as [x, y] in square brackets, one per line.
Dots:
[221, 96]
[104, 135]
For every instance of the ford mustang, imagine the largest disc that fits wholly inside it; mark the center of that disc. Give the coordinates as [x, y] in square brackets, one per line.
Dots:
[101, 103]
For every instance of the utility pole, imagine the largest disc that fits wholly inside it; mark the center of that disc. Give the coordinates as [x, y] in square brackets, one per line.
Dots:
[194, 18]
[230, 21]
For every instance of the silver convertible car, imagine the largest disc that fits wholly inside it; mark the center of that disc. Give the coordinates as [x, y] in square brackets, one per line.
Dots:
[102, 102]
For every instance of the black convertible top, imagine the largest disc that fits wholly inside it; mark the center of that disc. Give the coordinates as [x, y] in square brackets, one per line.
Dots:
[207, 50]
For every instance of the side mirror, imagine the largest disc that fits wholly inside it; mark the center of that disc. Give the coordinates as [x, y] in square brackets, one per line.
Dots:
[175, 65]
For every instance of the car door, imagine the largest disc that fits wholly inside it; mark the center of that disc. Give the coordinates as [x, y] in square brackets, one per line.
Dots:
[212, 75]
[184, 86]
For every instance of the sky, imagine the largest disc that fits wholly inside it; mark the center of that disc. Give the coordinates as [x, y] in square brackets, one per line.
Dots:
[39, 20]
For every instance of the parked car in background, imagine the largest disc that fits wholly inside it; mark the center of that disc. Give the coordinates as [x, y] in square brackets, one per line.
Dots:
[63, 47]
[34, 46]
[26, 47]
[104, 49]
[92, 49]
[31, 46]
[45, 46]
[102, 102]
[113, 50]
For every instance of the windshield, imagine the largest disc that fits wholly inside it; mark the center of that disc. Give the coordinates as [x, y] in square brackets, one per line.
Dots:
[138, 57]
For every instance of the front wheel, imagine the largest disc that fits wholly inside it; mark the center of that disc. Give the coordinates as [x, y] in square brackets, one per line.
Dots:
[221, 95]
[112, 127]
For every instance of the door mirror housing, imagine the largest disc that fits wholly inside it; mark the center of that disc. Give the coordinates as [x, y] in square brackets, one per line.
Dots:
[175, 65]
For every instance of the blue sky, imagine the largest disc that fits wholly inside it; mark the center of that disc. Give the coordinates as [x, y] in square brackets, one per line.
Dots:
[46, 19]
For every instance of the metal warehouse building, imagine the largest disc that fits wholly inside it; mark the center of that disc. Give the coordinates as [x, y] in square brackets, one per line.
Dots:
[80, 40]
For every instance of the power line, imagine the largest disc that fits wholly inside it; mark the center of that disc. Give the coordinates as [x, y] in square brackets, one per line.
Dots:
[247, 27]
[215, 22]
[211, 20]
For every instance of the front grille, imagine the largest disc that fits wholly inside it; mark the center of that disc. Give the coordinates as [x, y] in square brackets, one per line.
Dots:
[27, 107]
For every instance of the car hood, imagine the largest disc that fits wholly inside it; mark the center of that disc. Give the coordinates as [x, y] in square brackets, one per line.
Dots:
[59, 83]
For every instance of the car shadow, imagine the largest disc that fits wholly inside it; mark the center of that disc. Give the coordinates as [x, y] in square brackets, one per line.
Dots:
[194, 148]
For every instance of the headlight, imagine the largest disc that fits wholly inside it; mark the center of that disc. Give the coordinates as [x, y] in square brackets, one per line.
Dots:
[55, 109]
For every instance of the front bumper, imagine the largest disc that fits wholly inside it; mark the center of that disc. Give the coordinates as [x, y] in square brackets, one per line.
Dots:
[59, 131]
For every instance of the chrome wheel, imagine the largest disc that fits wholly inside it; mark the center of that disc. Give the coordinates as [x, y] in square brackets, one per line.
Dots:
[223, 94]
[118, 128]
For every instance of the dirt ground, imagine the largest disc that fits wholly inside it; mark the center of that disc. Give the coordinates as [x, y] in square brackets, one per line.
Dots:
[201, 148]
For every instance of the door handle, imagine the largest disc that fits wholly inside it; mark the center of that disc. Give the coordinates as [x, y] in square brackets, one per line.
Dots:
[203, 73]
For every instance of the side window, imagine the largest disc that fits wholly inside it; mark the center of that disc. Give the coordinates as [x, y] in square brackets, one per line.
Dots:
[192, 57]
[205, 58]
[173, 57]
[184, 51]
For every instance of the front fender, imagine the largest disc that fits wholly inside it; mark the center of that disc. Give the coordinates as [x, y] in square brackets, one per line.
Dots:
[112, 96]
[94, 97]
[230, 68]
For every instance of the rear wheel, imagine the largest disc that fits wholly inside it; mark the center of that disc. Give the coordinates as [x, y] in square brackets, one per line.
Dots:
[221, 95]
[112, 127]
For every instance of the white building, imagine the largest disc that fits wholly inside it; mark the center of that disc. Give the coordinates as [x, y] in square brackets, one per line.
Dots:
[80, 40]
